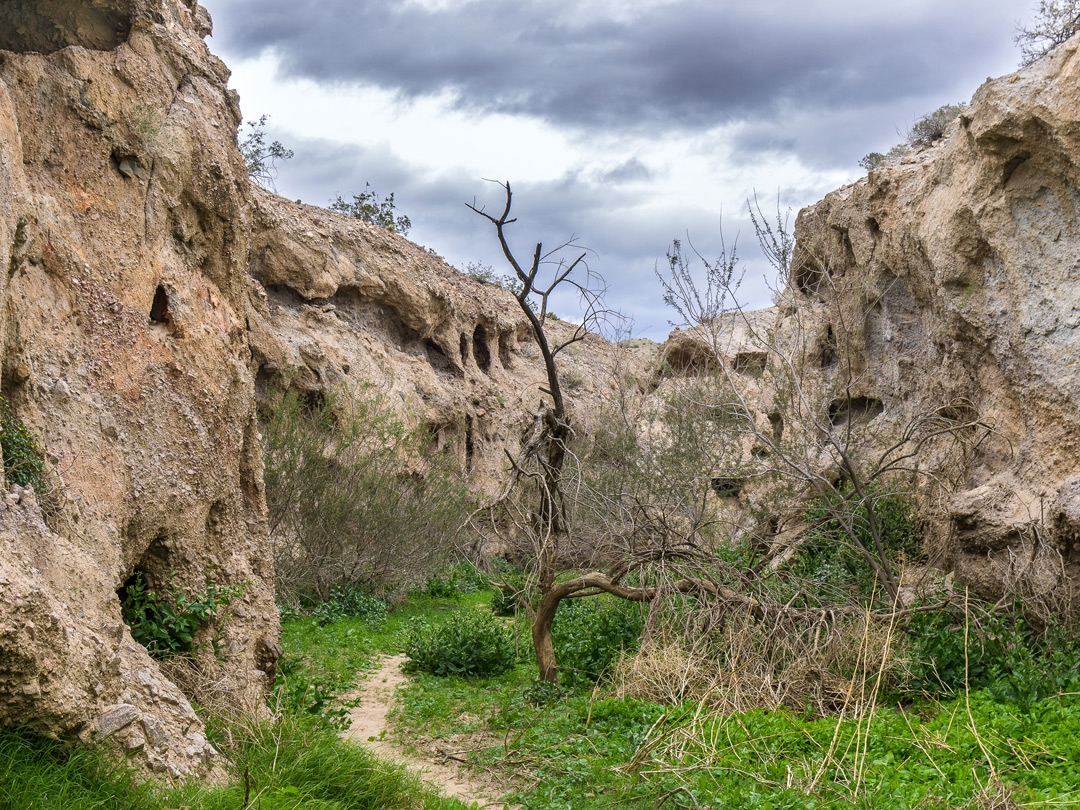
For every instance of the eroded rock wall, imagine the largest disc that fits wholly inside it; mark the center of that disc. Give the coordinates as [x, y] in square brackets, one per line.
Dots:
[952, 276]
[124, 237]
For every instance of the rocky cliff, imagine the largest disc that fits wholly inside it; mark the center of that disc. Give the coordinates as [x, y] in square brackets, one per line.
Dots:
[124, 232]
[950, 277]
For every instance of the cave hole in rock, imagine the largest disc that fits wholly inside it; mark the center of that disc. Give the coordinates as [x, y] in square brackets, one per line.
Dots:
[437, 358]
[751, 363]
[159, 309]
[312, 403]
[480, 349]
[858, 409]
[873, 226]
[827, 345]
[807, 276]
[777, 422]
[152, 572]
[463, 348]
[470, 449]
[727, 487]
[506, 345]
[47, 26]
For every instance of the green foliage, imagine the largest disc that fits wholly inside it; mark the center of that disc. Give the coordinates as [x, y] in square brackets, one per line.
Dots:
[591, 633]
[299, 689]
[829, 555]
[1055, 22]
[1016, 659]
[23, 463]
[350, 600]
[541, 693]
[166, 624]
[367, 207]
[471, 644]
[931, 127]
[875, 159]
[355, 497]
[261, 158]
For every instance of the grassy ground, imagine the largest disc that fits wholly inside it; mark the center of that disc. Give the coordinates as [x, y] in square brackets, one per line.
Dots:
[587, 749]
[582, 748]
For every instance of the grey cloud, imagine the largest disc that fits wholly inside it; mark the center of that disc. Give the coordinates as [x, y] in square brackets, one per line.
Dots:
[689, 64]
[624, 240]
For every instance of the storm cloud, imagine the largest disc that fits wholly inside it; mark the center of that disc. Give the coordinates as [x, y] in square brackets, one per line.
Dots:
[624, 123]
[689, 64]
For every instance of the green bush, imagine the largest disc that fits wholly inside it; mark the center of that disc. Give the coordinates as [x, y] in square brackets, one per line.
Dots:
[23, 463]
[167, 624]
[470, 643]
[590, 634]
[508, 594]
[1018, 660]
[931, 127]
[829, 555]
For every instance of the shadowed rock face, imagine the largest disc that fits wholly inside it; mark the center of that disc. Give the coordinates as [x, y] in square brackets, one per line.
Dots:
[45, 26]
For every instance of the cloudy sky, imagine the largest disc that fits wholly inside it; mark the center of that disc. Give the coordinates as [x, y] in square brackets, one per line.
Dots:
[623, 123]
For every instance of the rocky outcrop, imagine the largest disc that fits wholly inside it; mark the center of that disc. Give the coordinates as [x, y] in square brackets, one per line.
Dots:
[124, 237]
[952, 275]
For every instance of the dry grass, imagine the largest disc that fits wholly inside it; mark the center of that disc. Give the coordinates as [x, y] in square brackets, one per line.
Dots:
[822, 667]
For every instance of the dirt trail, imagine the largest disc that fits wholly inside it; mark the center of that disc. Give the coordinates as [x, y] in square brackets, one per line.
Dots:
[369, 726]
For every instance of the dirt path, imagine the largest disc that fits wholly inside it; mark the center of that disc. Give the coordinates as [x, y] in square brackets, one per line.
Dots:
[369, 727]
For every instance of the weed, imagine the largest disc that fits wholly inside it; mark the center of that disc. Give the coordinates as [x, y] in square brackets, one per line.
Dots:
[166, 624]
[23, 462]
[471, 643]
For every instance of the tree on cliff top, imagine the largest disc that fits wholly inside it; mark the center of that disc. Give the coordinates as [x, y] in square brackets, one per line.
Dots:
[1055, 22]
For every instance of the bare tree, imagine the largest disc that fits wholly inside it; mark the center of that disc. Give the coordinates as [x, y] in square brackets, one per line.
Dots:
[635, 530]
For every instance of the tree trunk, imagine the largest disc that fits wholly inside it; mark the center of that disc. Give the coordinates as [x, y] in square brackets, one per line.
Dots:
[541, 633]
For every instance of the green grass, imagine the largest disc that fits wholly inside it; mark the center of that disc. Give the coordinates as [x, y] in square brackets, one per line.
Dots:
[292, 763]
[583, 749]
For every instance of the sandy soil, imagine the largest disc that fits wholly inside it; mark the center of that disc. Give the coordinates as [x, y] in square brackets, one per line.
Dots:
[369, 727]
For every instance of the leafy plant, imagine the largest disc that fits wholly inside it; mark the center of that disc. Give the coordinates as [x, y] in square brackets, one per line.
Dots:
[367, 207]
[590, 635]
[829, 553]
[261, 158]
[931, 127]
[23, 463]
[471, 643]
[167, 624]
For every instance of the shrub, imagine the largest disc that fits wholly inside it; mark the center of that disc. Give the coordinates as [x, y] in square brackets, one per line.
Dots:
[167, 624]
[830, 557]
[23, 464]
[590, 634]
[472, 644]
[931, 127]
[355, 498]
[1055, 22]
[367, 207]
[261, 158]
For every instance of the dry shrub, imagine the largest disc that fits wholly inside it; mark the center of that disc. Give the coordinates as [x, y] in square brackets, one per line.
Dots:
[837, 662]
[219, 691]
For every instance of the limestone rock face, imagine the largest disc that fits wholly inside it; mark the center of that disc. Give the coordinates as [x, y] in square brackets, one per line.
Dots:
[342, 304]
[124, 211]
[954, 276]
